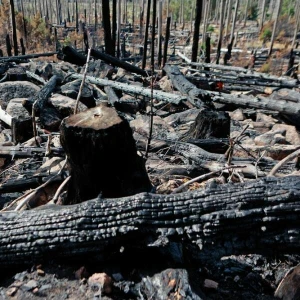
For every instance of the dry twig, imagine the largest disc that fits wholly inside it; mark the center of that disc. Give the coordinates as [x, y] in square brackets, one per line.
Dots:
[203, 177]
[82, 82]
[282, 162]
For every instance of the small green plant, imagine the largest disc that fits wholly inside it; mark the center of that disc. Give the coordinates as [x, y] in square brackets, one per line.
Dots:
[210, 28]
[266, 34]
[265, 68]
[67, 41]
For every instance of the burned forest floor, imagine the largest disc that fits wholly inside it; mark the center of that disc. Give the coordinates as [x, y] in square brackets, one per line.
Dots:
[195, 126]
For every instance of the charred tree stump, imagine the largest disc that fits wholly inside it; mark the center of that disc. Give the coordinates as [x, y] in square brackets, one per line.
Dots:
[210, 124]
[102, 156]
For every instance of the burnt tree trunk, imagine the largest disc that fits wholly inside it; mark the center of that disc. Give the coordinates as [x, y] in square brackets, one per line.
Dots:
[196, 96]
[109, 49]
[167, 37]
[146, 34]
[199, 5]
[220, 31]
[260, 216]
[72, 56]
[102, 156]
[152, 58]
[14, 27]
[114, 24]
[8, 45]
[118, 63]
[49, 116]
[136, 90]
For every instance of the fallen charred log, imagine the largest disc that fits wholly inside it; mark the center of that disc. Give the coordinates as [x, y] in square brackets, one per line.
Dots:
[213, 161]
[22, 58]
[49, 116]
[119, 63]
[196, 96]
[257, 216]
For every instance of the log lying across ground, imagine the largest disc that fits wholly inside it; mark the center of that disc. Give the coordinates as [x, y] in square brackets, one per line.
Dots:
[136, 90]
[245, 74]
[73, 56]
[257, 216]
[213, 161]
[282, 106]
[25, 57]
[196, 96]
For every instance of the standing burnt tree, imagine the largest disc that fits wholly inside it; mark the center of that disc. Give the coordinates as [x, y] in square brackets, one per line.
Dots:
[109, 49]
[14, 27]
[196, 29]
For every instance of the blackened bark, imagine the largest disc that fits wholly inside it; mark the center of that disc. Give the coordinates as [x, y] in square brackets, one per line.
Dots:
[109, 48]
[199, 5]
[8, 45]
[165, 55]
[14, 27]
[117, 62]
[260, 216]
[146, 35]
[153, 36]
[102, 156]
[114, 23]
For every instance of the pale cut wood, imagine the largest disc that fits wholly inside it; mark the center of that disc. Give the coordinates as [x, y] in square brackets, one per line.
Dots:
[146, 92]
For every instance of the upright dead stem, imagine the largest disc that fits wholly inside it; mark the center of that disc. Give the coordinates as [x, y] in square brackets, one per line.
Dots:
[34, 123]
[83, 80]
[151, 117]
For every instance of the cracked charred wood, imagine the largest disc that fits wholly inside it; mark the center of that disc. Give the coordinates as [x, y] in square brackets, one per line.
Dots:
[102, 156]
[213, 161]
[49, 117]
[118, 63]
[196, 96]
[131, 89]
[260, 216]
